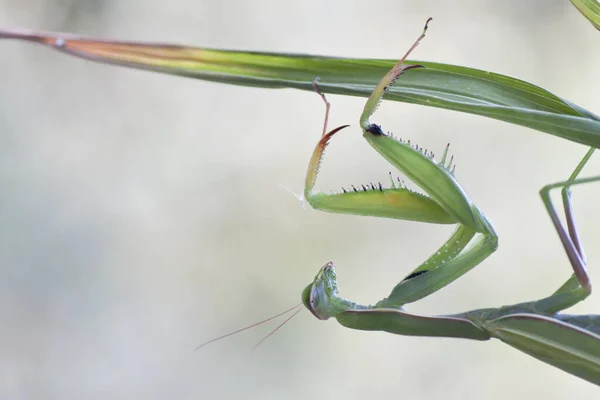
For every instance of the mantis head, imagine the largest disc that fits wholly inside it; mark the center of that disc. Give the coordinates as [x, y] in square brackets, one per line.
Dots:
[318, 297]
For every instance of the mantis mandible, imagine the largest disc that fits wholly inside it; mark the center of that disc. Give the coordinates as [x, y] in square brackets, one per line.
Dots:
[568, 342]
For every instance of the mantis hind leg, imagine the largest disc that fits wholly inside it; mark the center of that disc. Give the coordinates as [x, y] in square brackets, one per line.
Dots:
[568, 209]
[578, 286]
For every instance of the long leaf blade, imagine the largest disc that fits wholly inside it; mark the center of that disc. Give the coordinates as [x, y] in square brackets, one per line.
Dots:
[590, 9]
[438, 85]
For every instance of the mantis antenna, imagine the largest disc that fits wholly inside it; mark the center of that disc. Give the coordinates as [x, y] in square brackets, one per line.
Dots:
[296, 307]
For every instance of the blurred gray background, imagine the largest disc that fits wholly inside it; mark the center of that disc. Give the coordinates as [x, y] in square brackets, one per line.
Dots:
[140, 214]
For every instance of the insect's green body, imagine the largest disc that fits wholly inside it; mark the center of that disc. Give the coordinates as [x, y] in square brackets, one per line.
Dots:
[568, 342]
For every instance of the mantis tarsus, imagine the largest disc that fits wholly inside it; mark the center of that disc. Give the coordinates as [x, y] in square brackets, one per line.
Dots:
[568, 342]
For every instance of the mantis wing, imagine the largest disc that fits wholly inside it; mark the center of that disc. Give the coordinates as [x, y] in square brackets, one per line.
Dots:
[572, 347]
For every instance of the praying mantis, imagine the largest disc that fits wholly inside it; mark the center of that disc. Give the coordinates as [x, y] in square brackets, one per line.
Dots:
[568, 342]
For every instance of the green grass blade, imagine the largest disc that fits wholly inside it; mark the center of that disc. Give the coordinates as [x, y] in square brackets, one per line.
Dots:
[590, 9]
[438, 85]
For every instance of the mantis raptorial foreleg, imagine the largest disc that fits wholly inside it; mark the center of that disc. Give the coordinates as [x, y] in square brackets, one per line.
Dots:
[437, 179]
[571, 343]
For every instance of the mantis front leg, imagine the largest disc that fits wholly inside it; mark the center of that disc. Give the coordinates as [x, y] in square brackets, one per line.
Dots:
[445, 203]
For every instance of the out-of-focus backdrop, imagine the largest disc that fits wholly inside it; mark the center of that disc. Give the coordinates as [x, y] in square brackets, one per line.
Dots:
[141, 214]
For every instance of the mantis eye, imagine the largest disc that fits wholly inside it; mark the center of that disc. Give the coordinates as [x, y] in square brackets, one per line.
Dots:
[314, 299]
[309, 299]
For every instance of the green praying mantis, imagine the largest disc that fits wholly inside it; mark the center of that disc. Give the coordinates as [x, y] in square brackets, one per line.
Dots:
[568, 342]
